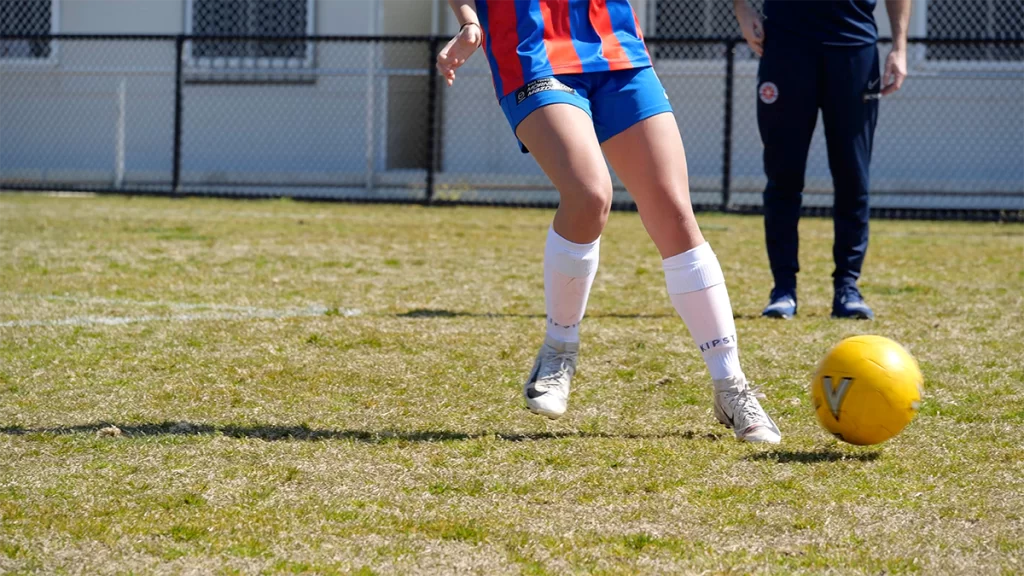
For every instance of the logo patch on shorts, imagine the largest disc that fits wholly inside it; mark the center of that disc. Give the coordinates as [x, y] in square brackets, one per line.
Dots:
[541, 85]
[768, 92]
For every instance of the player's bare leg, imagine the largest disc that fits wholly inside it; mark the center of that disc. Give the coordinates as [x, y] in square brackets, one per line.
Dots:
[562, 140]
[650, 160]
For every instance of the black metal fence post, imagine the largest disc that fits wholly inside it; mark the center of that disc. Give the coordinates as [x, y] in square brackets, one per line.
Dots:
[179, 50]
[432, 140]
[730, 72]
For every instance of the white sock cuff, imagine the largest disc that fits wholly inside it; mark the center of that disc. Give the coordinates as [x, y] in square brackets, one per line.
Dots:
[571, 259]
[693, 270]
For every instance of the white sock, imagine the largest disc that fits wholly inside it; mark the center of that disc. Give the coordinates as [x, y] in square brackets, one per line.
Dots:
[696, 286]
[569, 271]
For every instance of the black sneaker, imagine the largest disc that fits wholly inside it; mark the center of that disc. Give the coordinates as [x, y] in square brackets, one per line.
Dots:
[782, 304]
[848, 303]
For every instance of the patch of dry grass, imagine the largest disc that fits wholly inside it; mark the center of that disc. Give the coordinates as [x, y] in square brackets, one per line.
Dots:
[394, 441]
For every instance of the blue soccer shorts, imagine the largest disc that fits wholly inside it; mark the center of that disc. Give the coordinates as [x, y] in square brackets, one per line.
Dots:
[614, 100]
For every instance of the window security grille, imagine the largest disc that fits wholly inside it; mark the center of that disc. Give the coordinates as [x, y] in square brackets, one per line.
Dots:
[988, 19]
[992, 19]
[693, 18]
[26, 17]
[250, 18]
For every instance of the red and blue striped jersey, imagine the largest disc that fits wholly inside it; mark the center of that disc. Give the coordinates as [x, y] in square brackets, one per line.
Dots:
[529, 39]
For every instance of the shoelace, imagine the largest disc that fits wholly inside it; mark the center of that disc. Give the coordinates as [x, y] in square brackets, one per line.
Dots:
[748, 406]
[554, 375]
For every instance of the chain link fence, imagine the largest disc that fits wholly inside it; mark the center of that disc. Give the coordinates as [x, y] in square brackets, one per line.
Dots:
[249, 104]
[250, 18]
[952, 140]
[942, 19]
[101, 117]
[983, 19]
[26, 17]
[481, 163]
[353, 127]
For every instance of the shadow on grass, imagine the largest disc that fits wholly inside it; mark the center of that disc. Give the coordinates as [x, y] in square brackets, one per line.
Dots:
[306, 433]
[812, 456]
[751, 316]
[803, 314]
[441, 313]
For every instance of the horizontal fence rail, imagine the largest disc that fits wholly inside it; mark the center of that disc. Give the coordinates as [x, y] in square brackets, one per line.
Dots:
[365, 118]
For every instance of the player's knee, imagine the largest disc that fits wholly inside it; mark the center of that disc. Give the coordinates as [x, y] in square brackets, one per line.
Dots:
[593, 201]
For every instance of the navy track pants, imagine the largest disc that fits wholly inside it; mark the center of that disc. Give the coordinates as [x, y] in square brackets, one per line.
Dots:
[796, 78]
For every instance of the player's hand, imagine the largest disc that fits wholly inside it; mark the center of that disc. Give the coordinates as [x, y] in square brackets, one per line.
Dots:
[458, 50]
[895, 71]
[751, 26]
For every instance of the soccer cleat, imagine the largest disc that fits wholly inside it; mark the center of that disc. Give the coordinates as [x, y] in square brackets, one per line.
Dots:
[848, 303]
[736, 407]
[547, 389]
[782, 304]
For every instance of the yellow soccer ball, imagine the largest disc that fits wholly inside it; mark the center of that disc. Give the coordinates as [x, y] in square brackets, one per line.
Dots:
[866, 390]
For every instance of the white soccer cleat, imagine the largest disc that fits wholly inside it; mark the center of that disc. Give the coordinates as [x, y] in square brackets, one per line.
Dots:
[547, 389]
[736, 407]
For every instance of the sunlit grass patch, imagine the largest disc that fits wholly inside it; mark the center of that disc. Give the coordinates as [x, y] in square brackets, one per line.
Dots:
[382, 431]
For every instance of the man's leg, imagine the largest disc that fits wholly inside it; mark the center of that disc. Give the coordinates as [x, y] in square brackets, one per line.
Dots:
[850, 112]
[787, 110]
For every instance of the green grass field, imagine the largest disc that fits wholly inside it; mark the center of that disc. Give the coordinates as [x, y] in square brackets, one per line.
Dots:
[317, 388]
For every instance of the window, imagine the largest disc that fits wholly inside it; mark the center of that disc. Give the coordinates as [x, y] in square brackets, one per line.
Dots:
[19, 17]
[694, 18]
[250, 18]
[977, 19]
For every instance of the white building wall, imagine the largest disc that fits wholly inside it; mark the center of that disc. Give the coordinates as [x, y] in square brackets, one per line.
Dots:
[336, 130]
[122, 16]
[168, 16]
[66, 111]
